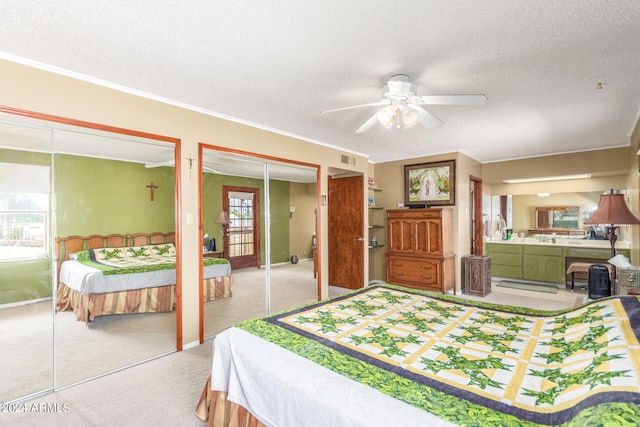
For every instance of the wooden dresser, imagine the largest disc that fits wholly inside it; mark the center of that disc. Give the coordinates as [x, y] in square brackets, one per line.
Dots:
[420, 252]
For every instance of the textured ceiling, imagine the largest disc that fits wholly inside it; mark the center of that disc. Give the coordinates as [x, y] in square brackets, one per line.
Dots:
[278, 64]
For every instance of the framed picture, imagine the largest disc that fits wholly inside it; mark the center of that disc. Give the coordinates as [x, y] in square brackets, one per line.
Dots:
[373, 182]
[430, 184]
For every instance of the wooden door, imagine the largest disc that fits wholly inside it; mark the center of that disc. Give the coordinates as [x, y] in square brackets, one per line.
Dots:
[346, 232]
[242, 235]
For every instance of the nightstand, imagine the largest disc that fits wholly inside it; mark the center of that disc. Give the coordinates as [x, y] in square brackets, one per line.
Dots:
[212, 254]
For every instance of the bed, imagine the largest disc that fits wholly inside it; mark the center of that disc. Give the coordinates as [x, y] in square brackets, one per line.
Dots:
[126, 273]
[388, 355]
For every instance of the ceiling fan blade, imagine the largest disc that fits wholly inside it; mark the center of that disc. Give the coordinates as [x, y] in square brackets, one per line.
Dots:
[368, 124]
[427, 119]
[449, 100]
[382, 102]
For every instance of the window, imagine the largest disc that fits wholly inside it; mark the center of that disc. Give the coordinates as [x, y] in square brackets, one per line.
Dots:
[241, 226]
[24, 211]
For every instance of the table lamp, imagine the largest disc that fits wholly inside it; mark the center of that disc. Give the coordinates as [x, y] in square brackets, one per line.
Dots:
[612, 212]
[223, 219]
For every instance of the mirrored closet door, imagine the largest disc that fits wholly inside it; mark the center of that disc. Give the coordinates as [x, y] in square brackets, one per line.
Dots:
[108, 191]
[26, 253]
[268, 246]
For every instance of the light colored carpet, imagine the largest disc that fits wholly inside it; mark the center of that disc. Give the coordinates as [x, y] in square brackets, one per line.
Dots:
[164, 391]
[113, 342]
[291, 285]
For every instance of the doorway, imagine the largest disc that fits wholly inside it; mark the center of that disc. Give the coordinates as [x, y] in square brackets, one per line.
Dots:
[346, 232]
[241, 237]
[477, 225]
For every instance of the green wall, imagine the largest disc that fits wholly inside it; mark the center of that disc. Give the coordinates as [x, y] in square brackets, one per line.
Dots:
[92, 196]
[96, 196]
[25, 280]
[279, 193]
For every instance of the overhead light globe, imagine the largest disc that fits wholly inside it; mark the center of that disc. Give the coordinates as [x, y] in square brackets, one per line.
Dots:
[387, 116]
[410, 116]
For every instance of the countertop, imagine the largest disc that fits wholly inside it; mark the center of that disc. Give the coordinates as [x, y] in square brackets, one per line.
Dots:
[579, 243]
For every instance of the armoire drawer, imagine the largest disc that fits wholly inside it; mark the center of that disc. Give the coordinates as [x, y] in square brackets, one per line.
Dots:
[424, 271]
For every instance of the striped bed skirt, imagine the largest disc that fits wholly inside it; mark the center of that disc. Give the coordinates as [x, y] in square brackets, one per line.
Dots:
[148, 300]
[214, 408]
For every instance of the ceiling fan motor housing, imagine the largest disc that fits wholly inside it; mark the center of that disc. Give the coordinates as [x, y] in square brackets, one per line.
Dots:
[398, 87]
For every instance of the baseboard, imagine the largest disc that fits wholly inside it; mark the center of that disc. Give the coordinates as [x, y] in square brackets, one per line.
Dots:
[25, 302]
[192, 344]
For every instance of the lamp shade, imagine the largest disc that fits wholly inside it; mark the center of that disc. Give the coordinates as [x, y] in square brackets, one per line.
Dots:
[223, 218]
[613, 210]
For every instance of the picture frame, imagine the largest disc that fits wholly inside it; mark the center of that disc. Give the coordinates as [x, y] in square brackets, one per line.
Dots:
[430, 184]
[373, 183]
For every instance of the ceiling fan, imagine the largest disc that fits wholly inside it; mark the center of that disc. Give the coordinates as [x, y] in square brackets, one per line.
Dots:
[402, 107]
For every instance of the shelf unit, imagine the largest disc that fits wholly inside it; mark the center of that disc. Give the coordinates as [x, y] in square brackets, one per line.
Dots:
[374, 220]
[377, 220]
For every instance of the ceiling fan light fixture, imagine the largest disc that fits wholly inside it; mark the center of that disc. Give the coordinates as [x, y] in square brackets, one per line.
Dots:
[387, 116]
[410, 116]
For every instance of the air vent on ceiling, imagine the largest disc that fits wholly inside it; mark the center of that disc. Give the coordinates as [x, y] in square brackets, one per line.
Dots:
[347, 160]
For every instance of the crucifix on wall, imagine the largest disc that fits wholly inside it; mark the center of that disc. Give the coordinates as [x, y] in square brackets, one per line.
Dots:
[151, 188]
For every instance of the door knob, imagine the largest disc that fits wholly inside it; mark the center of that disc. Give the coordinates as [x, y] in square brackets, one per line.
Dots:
[360, 239]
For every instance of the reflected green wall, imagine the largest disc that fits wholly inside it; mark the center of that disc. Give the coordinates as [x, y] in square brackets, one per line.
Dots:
[97, 196]
[25, 280]
[93, 196]
[279, 194]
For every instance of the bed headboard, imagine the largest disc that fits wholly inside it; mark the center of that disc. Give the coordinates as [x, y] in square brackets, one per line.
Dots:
[68, 245]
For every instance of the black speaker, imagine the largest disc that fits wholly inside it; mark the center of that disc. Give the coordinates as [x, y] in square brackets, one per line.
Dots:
[599, 281]
[212, 245]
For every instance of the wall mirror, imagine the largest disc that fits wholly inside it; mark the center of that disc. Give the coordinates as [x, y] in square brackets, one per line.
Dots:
[534, 214]
[561, 217]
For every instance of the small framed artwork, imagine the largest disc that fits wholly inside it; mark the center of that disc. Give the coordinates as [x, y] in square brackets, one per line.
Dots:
[373, 183]
[372, 202]
[430, 184]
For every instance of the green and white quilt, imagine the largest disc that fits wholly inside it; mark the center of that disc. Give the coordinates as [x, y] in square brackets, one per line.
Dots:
[475, 363]
[135, 259]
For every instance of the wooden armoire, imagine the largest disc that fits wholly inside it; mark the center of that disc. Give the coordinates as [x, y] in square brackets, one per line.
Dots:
[420, 253]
